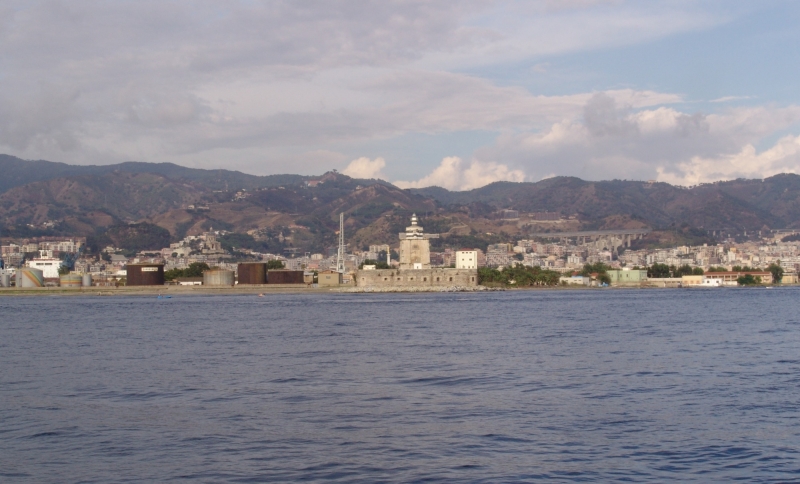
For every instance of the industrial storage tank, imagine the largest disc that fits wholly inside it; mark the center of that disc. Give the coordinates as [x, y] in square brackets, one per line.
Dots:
[285, 277]
[145, 274]
[29, 277]
[218, 277]
[5, 280]
[71, 280]
[252, 273]
[86, 280]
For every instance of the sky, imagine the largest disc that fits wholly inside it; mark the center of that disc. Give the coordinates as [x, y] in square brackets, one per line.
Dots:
[456, 94]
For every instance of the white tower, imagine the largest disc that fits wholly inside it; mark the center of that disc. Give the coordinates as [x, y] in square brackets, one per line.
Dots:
[340, 253]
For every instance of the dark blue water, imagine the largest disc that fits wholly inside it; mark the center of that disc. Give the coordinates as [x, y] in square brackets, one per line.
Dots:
[648, 385]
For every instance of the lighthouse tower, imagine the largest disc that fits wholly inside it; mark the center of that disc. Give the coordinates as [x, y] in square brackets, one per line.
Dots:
[415, 248]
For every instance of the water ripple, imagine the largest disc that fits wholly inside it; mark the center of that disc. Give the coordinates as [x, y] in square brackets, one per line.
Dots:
[554, 386]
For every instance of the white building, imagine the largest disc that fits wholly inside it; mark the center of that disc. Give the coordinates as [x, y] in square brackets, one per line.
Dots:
[574, 259]
[67, 245]
[466, 259]
[379, 248]
[575, 280]
[49, 267]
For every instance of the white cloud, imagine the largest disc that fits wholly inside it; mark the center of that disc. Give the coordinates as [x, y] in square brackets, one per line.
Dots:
[281, 87]
[166, 81]
[365, 168]
[784, 157]
[440, 101]
[618, 141]
[517, 31]
[454, 174]
[726, 99]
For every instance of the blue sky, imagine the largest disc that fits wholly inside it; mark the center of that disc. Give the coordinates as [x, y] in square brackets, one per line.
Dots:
[455, 94]
[754, 54]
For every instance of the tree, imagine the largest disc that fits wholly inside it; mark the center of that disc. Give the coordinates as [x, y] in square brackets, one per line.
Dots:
[748, 280]
[195, 269]
[597, 267]
[173, 274]
[378, 264]
[777, 272]
[63, 270]
[382, 255]
[697, 271]
[275, 264]
[658, 271]
[518, 276]
[233, 241]
[137, 237]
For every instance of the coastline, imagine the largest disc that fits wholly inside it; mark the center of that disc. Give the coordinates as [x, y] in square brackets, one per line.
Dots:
[298, 289]
[255, 290]
[163, 290]
[272, 289]
[265, 289]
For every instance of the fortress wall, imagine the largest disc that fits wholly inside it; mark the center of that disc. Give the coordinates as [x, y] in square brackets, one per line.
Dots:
[417, 278]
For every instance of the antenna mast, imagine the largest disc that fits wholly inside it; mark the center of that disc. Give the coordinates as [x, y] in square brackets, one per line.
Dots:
[340, 254]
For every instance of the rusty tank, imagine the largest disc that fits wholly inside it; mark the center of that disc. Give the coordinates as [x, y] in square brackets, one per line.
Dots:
[218, 277]
[283, 276]
[145, 274]
[252, 273]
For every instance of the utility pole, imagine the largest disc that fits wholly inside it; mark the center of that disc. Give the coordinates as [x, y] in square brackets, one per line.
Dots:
[340, 254]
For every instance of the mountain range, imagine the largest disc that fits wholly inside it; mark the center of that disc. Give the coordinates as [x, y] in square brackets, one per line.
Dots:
[47, 198]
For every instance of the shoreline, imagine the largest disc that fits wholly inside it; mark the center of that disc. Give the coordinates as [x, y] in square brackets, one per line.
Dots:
[266, 289]
[255, 290]
[295, 289]
[161, 290]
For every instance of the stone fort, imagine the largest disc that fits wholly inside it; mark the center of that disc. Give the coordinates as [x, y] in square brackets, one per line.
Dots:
[415, 266]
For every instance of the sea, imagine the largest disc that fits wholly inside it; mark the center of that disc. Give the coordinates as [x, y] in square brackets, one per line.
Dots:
[659, 385]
